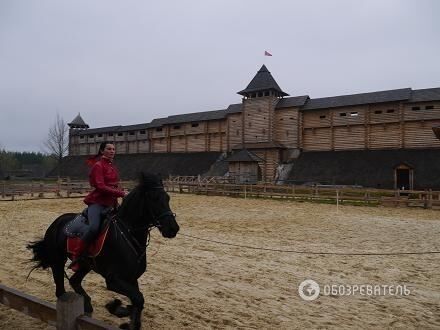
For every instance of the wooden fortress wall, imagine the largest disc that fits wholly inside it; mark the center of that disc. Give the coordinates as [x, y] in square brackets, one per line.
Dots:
[380, 126]
[383, 126]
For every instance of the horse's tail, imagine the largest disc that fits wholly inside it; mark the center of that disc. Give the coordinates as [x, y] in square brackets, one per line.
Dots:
[41, 254]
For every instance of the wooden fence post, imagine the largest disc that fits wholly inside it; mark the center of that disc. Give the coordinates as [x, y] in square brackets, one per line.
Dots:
[69, 306]
[41, 194]
[429, 199]
[424, 197]
[337, 200]
[59, 188]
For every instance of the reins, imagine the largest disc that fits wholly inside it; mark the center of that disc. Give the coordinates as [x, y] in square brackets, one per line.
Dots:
[139, 250]
[148, 227]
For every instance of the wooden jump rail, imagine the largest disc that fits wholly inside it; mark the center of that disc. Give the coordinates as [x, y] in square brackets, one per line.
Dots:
[67, 314]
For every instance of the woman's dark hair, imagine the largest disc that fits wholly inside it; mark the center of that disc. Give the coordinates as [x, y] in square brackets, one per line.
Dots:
[93, 159]
[102, 147]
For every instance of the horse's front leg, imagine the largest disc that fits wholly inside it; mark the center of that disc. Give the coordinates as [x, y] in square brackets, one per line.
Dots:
[130, 290]
[75, 283]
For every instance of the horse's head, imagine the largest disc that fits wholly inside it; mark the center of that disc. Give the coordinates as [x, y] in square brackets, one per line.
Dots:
[149, 205]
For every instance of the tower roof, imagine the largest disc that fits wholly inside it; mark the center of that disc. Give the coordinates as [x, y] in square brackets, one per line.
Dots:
[78, 122]
[262, 81]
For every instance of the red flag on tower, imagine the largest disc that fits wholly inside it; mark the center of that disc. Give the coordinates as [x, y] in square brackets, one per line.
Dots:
[266, 53]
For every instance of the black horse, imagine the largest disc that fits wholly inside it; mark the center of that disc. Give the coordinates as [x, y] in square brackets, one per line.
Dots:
[123, 257]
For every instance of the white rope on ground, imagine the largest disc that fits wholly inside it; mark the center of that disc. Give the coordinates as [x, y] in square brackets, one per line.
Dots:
[312, 252]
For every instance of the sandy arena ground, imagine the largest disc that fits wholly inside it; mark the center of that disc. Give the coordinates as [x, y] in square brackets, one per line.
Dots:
[198, 284]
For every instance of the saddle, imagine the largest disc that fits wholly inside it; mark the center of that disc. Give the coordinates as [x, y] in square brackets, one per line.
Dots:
[79, 226]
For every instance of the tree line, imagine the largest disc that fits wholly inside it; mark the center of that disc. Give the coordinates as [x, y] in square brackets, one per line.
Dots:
[14, 163]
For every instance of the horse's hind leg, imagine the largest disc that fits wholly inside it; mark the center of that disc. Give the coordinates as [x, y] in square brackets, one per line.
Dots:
[58, 277]
[130, 290]
[75, 283]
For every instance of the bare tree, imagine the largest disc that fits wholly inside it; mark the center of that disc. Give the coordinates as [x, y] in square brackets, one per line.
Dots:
[57, 142]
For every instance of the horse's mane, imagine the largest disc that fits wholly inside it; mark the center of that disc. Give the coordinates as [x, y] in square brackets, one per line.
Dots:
[134, 204]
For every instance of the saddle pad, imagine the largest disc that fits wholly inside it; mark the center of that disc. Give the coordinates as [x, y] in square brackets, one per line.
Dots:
[77, 227]
[94, 248]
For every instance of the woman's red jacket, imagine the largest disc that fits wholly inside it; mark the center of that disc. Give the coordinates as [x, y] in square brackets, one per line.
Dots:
[104, 178]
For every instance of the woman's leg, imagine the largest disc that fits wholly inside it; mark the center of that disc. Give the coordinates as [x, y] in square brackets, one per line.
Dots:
[94, 216]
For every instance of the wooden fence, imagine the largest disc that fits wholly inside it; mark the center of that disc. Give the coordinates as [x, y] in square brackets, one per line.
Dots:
[337, 195]
[37, 190]
[221, 187]
[67, 314]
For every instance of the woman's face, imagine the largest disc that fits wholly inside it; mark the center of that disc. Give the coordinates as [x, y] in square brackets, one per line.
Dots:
[109, 151]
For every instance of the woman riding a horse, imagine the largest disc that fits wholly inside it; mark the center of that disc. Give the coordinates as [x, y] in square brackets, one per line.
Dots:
[123, 257]
[104, 178]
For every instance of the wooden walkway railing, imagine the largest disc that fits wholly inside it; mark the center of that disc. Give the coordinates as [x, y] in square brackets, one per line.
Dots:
[68, 313]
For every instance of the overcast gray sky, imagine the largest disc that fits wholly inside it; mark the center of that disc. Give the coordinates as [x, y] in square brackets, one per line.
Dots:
[128, 62]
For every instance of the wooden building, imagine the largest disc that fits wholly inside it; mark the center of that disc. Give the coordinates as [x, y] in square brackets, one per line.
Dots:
[276, 129]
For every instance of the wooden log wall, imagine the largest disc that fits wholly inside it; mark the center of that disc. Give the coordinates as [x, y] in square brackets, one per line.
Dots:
[197, 143]
[348, 115]
[316, 118]
[383, 126]
[258, 119]
[425, 111]
[384, 113]
[244, 172]
[317, 139]
[234, 130]
[83, 149]
[159, 145]
[132, 147]
[385, 136]
[286, 127]
[268, 168]
[419, 134]
[178, 143]
[348, 137]
[93, 149]
[215, 142]
[144, 146]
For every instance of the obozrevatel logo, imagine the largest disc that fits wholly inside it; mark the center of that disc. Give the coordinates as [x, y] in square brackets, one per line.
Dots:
[308, 290]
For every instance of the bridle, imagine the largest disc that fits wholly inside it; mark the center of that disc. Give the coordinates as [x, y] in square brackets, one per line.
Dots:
[148, 227]
[156, 219]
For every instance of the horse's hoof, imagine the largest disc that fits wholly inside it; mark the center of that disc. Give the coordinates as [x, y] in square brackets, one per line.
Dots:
[113, 305]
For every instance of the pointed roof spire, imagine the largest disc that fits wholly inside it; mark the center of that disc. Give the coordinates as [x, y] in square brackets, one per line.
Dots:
[262, 81]
[78, 122]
